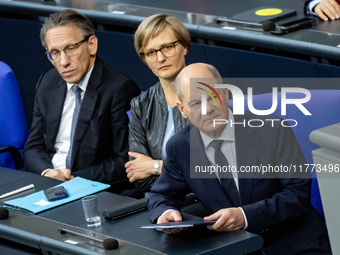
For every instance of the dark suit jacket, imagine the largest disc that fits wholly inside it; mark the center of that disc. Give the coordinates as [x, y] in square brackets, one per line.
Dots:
[276, 208]
[306, 6]
[101, 137]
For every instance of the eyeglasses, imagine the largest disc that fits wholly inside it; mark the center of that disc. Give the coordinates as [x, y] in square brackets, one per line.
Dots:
[168, 50]
[70, 50]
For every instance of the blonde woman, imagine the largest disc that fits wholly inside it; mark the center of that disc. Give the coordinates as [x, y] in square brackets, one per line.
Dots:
[162, 43]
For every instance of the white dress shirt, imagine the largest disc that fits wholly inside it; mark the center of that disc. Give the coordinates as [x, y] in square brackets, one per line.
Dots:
[62, 142]
[228, 148]
[311, 6]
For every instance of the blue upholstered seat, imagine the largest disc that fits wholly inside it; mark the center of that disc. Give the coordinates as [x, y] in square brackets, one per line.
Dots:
[13, 127]
[324, 106]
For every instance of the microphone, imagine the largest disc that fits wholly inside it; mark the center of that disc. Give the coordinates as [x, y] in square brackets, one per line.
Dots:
[266, 25]
[108, 243]
[3, 213]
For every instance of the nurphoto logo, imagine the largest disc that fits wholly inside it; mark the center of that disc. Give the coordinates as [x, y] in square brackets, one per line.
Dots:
[239, 100]
[204, 96]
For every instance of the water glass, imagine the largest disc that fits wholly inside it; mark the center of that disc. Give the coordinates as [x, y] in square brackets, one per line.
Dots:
[91, 212]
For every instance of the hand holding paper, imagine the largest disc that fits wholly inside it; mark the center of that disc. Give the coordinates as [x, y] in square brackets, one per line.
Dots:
[181, 224]
[228, 219]
[171, 223]
[170, 216]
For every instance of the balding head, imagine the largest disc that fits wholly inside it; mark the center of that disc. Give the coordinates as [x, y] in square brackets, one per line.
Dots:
[197, 70]
[203, 78]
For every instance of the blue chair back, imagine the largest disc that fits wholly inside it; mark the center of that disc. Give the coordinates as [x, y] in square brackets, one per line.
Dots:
[13, 126]
[324, 106]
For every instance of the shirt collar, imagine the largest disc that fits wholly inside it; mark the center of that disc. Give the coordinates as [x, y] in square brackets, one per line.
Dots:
[228, 133]
[83, 83]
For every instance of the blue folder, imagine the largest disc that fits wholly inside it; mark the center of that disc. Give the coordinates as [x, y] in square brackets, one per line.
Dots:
[37, 202]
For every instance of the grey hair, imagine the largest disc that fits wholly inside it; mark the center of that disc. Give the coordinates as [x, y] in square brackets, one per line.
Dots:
[215, 73]
[66, 18]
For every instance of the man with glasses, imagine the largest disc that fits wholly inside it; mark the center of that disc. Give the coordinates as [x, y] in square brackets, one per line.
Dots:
[80, 125]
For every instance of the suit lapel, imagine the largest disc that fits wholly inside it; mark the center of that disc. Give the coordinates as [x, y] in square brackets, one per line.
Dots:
[56, 101]
[88, 106]
[247, 151]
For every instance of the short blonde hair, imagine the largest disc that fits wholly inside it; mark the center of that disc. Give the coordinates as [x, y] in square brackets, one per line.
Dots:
[154, 25]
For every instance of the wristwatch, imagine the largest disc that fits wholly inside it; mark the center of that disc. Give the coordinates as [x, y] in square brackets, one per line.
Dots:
[156, 165]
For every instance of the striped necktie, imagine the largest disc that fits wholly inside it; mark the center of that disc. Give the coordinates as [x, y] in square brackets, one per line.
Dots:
[77, 92]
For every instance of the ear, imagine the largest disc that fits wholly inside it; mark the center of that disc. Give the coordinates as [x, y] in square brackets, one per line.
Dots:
[93, 44]
[53, 63]
[181, 109]
[185, 51]
[226, 94]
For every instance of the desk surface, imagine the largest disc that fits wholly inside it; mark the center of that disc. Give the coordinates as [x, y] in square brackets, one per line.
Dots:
[126, 230]
[320, 40]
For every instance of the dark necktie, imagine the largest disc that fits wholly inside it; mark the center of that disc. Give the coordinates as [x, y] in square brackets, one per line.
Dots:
[226, 178]
[77, 93]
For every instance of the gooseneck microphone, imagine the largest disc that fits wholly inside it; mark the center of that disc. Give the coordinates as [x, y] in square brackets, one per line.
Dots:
[266, 25]
[108, 243]
[3, 213]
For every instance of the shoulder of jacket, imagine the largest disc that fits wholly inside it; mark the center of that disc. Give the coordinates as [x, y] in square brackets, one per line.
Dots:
[112, 71]
[48, 78]
[146, 96]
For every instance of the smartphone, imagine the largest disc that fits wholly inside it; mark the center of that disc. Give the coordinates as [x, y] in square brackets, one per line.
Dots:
[293, 26]
[55, 193]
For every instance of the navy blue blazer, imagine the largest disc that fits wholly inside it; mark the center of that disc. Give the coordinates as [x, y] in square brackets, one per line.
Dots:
[101, 137]
[274, 207]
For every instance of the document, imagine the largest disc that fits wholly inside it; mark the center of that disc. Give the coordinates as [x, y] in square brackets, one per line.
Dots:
[180, 224]
[37, 202]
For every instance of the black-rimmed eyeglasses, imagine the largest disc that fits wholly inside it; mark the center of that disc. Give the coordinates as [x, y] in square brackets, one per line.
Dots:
[70, 50]
[168, 50]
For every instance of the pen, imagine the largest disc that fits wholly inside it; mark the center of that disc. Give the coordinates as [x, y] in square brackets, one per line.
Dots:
[31, 186]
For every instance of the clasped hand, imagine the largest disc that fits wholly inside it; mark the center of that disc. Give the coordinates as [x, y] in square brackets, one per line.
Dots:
[60, 174]
[140, 167]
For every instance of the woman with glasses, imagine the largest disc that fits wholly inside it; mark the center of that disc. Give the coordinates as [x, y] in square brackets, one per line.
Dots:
[162, 42]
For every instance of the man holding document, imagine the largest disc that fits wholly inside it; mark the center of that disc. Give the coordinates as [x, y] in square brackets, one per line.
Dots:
[278, 209]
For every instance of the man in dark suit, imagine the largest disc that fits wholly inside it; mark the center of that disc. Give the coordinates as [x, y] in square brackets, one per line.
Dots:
[80, 125]
[276, 206]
